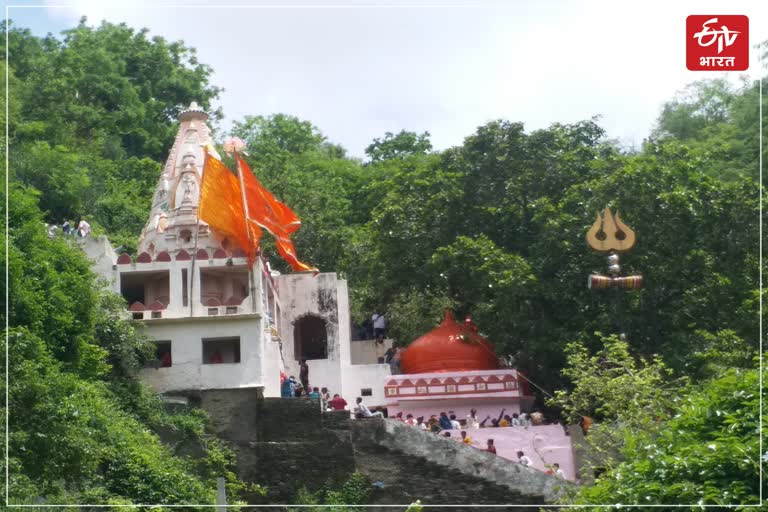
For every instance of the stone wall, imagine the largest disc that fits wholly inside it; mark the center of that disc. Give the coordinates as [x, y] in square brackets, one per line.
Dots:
[286, 444]
[523, 485]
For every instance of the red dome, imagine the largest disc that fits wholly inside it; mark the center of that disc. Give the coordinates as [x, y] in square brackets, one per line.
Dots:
[450, 347]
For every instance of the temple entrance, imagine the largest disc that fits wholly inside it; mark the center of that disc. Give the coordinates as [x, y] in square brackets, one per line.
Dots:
[310, 338]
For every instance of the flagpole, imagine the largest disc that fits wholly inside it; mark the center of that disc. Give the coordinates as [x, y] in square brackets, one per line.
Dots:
[247, 228]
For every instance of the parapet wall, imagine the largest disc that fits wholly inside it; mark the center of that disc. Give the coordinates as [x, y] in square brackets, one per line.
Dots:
[535, 486]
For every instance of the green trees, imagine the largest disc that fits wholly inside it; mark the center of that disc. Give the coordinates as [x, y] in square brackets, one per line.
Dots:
[93, 116]
[706, 454]
[82, 429]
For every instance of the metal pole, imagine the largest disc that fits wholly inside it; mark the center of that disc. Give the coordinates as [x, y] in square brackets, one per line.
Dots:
[247, 229]
[221, 495]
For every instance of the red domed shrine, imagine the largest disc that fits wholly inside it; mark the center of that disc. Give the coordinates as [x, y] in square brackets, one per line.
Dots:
[453, 368]
[450, 347]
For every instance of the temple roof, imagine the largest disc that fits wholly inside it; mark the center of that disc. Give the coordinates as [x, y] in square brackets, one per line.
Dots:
[173, 223]
[449, 347]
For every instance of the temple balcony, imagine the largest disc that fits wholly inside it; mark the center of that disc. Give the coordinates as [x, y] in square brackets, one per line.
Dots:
[218, 284]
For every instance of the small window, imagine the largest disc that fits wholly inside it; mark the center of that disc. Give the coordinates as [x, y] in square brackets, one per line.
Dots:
[138, 315]
[366, 392]
[162, 354]
[221, 350]
[157, 314]
[231, 310]
[186, 236]
[213, 311]
[184, 288]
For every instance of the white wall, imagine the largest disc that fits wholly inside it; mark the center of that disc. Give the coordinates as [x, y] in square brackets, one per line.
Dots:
[187, 370]
[102, 256]
[364, 352]
[304, 294]
[359, 376]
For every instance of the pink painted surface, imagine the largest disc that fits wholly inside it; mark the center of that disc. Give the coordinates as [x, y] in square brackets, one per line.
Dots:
[544, 444]
[482, 384]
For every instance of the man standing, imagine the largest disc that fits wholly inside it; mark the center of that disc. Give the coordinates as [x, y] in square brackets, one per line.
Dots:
[381, 350]
[304, 374]
[338, 403]
[363, 411]
[379, 324]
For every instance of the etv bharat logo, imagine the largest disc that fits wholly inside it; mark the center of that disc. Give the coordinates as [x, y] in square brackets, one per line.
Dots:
[717, 42]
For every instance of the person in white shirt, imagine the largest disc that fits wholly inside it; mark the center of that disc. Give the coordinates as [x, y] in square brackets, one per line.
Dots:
[84, 229]
[472, 421]
[363, 411]
[523, 458]
[379, 324]
[558, 472]
[454, 422]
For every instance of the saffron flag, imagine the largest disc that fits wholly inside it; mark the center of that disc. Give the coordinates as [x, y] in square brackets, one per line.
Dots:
[221, 206]
[266, 211]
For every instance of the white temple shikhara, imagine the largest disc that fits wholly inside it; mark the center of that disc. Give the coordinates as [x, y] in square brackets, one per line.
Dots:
[215, 326]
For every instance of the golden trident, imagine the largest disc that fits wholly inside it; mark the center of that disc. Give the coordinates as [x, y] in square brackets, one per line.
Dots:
[608, 234]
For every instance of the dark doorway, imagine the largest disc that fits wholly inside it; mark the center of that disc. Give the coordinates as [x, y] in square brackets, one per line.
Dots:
[310, 338]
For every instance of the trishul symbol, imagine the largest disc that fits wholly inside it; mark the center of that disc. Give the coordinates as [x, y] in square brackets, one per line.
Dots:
[608, 233]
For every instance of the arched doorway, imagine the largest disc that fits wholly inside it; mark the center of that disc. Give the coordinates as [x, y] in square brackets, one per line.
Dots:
[310, 338]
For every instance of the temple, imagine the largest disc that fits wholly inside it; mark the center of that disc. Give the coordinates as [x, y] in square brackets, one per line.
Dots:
[218, 323]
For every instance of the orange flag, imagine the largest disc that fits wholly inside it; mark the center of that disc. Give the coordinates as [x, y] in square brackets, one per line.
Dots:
[267, 212]
[221, 206]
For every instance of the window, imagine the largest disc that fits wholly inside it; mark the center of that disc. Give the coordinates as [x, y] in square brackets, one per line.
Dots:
[184, 288]
[162, 355]
[221, 350]
[186, 236]
[366, 392]
[157, 314]
[231, 310]
[310, 338]
[146, 288]
[138, 315]
[213, 311]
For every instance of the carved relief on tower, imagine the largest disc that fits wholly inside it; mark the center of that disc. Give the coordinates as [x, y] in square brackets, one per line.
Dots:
[187, 193]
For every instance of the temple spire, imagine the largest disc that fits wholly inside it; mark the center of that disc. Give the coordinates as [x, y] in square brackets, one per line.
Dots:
[172, 223]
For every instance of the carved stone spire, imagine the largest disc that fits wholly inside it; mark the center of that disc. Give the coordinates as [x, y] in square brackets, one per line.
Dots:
[173, 218]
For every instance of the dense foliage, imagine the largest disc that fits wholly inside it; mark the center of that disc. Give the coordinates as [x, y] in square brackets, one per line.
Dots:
[94, 113]
[82, 428]
[493, 227]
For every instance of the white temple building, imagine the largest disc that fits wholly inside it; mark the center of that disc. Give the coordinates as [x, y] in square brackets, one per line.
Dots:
[218, 324]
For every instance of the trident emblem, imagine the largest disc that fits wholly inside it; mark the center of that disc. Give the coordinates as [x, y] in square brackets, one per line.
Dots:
[610, 235]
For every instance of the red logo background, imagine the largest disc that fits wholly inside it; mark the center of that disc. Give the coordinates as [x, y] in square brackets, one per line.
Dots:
[739, 50]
